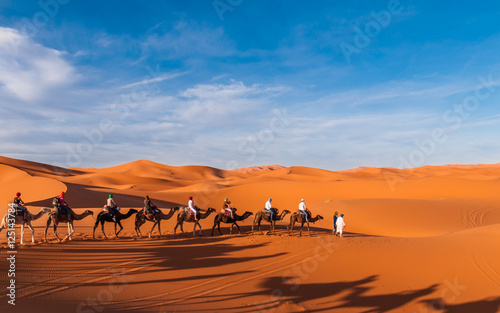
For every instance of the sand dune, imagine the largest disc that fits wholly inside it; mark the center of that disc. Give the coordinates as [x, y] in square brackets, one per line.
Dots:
[418, 240]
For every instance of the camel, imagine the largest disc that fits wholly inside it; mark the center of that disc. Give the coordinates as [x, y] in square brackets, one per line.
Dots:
[106, 217]
[221, 217]
[140, 219]
[19, 220]
[300, 218]
[62, 218]
[189, 218]
[259, 216]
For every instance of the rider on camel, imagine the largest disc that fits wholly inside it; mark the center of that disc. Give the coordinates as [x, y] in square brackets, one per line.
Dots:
[63, 207]
[149, 207]
[20, 205]
[226, 208]
[193, 208]
[111, 207]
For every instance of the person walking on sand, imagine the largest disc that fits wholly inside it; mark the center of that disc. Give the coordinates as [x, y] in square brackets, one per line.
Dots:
[340, 225]
[303, 209]
[193, 208]
[335, 217]
[269, 207]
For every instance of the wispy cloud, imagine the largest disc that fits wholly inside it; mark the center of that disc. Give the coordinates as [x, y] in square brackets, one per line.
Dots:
[187, 39]
[156, 79]
[28, 69]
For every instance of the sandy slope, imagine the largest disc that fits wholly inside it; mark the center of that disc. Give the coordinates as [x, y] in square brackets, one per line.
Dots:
[421, 240]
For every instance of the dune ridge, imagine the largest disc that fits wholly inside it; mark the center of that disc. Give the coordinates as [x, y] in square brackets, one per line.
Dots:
[411, 234]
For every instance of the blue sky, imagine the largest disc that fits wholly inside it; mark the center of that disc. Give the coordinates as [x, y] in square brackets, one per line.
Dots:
[234, 83]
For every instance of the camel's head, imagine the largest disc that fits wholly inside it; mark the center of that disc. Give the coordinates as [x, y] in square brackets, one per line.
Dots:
[320, 217]
[248, 213]
[88, 212]
[133, 211]
[45, 210]
[211, 210]
[176, 208]
[286, 212]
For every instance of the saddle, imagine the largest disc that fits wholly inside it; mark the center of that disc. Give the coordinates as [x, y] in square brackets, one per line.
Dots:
[275, 212]
[227, 213]
[299, 212]
[189, 213]
[63, 209]
[150, 210]
[18, 211]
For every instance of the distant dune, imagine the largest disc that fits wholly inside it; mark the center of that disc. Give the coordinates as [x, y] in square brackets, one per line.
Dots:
[417, 240]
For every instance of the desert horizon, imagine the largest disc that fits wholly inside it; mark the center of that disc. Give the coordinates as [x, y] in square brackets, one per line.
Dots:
[249, 156]
[416, 240]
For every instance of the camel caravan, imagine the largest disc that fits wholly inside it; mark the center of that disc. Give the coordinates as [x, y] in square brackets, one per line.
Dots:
[111, 213]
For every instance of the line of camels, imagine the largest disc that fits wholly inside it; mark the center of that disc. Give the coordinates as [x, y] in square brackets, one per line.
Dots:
[56, 218]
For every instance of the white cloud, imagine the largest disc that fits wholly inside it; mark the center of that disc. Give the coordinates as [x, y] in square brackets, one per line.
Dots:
[221, 103]
[28, 69]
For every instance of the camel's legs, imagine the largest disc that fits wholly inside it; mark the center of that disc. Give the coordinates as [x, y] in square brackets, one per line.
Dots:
[93, 231]
[6, 234]
[308, 230]
[46, 228]
[55, 231]
[121, 228]
[154, 225]
[22, 233]
[215, 224]
[102, 227]
[138, 223]
[32, 232]
[71, 229]
[290, 227]
[257, 220]
[271, 228]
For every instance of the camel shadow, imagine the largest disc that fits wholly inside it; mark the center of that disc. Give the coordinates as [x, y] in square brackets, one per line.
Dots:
[488, 305]
[276, 291]
[160, 260]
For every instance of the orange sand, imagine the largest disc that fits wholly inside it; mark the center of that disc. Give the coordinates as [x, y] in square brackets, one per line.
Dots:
[420, 240]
